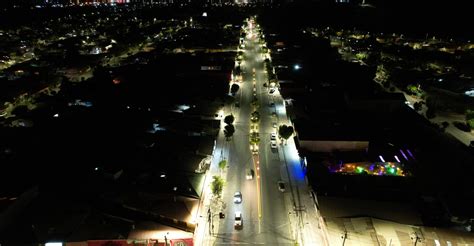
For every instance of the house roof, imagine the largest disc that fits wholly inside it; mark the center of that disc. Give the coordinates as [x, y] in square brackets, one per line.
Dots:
[338, 207]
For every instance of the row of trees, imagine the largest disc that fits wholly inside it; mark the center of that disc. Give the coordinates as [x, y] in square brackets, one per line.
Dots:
[229, 129]
[285, 131]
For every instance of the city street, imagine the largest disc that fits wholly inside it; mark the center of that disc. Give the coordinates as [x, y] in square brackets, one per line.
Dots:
[270, 215]
[273, 226]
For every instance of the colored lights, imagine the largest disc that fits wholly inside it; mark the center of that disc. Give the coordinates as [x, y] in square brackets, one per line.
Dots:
[370, 168]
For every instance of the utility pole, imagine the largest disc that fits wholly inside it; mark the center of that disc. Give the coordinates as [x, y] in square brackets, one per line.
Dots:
[209, 216]
[344, 237]
[416, 238]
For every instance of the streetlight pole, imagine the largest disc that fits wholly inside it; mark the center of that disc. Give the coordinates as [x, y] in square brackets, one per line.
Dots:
[344, 237]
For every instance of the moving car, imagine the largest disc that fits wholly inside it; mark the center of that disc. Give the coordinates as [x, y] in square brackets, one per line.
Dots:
[281, 186]
[249, 173]
[238, 220]
[273, 136]
[237, 197]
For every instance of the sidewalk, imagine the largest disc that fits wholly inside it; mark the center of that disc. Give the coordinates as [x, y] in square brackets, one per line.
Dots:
[303, 215]
[204, 235]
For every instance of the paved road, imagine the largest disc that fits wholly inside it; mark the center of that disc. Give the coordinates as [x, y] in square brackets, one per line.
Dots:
[273, 226]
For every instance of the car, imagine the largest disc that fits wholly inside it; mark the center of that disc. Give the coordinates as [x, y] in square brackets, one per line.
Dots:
[249, 173]
[274, 124]
[237, 197]
[273, 144]
[273, 136]
[281, 186]
[272, 91]
[238, 220]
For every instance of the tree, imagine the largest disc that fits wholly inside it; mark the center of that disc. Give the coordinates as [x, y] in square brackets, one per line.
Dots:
[20, 111]
[222, 164]
[254, 138]
[217, 185]
[433, 102]
[234, 88]
[254, 102]
[445, 124]
[229, 119]
[430, 113]
[470, 118]
[229, 131]
[418, 106]
[285, 131]
[255, 116]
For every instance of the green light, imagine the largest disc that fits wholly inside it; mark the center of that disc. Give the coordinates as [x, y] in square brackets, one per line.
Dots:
[359, 169]
[391, 170]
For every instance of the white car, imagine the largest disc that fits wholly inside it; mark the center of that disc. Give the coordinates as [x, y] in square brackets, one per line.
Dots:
[238, 220]
[274, 124]
[237, 197]
[273, 136]
[249, 173]
[273, 144]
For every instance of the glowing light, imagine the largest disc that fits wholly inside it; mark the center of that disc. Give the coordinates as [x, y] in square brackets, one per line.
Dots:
[297, 67]
[404, 156]
[409, 152]
[396, 158]
[381, 158]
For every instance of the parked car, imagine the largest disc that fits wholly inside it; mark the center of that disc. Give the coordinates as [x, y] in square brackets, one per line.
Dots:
[281, 186]
[273, 136]
[273, 144]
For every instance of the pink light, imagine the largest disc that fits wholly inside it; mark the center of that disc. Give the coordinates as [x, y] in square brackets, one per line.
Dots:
[409, 152]
[404, 156]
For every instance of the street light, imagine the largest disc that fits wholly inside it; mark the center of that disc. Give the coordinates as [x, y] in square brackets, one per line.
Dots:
[296, 67]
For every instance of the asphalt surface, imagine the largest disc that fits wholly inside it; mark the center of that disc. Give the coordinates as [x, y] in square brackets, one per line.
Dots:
[273, 227]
